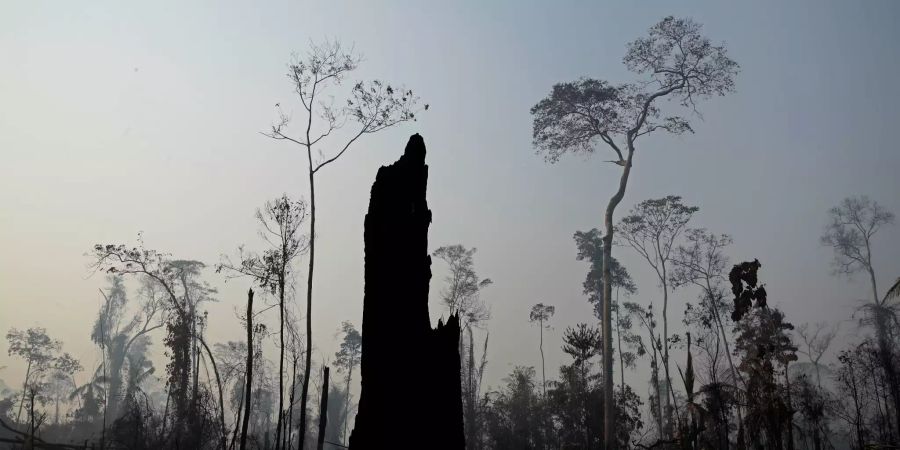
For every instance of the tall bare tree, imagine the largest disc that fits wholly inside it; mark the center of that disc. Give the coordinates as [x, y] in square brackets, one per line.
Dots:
[676, 62]
[541, 313]
[372, 106]
[851, 227]
[281, 220]
[702, 263]
[817, 339]
[652, 228]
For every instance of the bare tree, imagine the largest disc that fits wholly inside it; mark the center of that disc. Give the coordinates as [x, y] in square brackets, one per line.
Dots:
[677, 62]
[541, 313]
[248, 371]
[373, 106]
[702, 263]
[280, 220]
[817, 340]
[651, 228]
[849, 232]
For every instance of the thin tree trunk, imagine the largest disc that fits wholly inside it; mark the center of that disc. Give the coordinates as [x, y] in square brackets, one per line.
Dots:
[24, 389]
[608, 399]
[323, 412]
[238, 416]
[248, 375]
[735, 375]
[347, 403]
[165, 417]
[290, 422]
[281, 349]
[304, 393]
[619, 345]
[790, 407]
[543, 370]
[670, 397]
[221, 400]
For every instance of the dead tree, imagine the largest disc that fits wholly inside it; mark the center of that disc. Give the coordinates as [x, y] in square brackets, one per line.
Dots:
[323, 410]
[248, 376]
[408, 369]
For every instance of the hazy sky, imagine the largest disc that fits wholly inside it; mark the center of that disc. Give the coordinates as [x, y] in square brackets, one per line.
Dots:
[117, 119]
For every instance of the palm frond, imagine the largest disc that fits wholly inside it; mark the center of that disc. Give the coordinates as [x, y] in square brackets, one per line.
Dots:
[893, 292]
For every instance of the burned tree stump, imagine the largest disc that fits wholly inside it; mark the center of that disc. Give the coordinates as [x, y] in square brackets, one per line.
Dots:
[411, 395]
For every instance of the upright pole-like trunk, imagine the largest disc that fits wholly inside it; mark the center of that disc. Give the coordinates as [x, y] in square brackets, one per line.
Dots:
[304, 393]
[471, 396]
[290, 421]
[24, 389]
[735, 375]
[281, 349]
[608, 399]
[323, 411]
[790, 408]
[670, 397]
[248, 374]
[347, 403]
[221, 400]
[165, 417]
[238, 416]
[619, 345]
[543, 370]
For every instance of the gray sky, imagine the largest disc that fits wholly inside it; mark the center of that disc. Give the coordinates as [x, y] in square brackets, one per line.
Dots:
[118, 119]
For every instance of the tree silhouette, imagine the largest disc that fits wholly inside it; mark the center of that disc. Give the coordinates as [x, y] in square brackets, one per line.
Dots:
[346, 359]
[677, 62]
[373, 106]
[652, 228]
[280, 220]
[39, 352]
[852, 226]
[462, 296]
[117, 337]
[184, 291]
[541, 313]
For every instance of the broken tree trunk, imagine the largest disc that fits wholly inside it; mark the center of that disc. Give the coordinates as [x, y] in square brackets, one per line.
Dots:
[323, 410]
[410, 372]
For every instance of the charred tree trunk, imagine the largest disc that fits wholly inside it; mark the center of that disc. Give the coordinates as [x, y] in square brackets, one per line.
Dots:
[248, 375]
[396, 326]
[323, 411]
